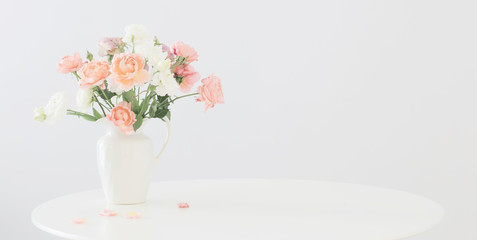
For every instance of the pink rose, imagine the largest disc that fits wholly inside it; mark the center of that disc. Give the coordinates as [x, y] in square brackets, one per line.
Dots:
[189, 77]
[184, 50]
[210, 92]
[123, 117]
[70, 64]
[128, 69]
[109, 46]
[93, 73]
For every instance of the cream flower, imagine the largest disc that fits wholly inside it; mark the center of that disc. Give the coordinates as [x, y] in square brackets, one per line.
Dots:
[136, 33]
[56, 107]
[165, 83]
[153, 54]
[164, 66]
[84, 97]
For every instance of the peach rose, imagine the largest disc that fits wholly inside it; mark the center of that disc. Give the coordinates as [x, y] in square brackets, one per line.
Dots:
[70, 63]
[93, 73]
[128, 69]
[210, 92]
[123, 117]
[189, 77]
[181, 49]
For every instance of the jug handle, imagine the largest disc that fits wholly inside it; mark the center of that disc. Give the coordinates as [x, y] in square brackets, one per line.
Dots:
[168, 123]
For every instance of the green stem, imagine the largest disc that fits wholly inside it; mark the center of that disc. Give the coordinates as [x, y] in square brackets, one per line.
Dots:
[148, 99]
[179, 61]
[79, 114]
[188, 95]
[133, 45]
[150, 94]
[76, 75]
[137, 95]
[100, 105]
[71, 112]
[106, 97]
[172, 101]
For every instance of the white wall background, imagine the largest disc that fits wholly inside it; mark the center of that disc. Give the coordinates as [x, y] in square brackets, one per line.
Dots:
[372, 92]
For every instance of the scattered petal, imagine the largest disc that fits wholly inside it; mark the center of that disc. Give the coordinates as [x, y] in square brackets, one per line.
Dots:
[133, 215]
[108, 213]
[183, 205]
[79, 220]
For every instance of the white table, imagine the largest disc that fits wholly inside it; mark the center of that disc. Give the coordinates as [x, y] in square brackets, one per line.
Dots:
[245, 209]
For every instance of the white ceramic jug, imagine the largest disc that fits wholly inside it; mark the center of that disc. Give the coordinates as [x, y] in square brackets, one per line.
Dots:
[126, 163]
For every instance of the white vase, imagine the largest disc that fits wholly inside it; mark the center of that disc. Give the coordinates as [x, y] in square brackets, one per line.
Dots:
[126, 163]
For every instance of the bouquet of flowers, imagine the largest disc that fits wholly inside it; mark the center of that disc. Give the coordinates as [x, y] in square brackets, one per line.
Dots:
[135, 77]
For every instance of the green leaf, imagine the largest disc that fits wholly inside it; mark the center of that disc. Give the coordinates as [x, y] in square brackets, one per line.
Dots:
[162, 113]
[89, 118]
[162, 98]
[153, 107]
[135, 106]
[144, 105]
[129, 96]
[179, 79]
[152, 88]
[89, 56]
[138, 123]
[163, 101]
[168, 116]
[105, 94]
[97, 114]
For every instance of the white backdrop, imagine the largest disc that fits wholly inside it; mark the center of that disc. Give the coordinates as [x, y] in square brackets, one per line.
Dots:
[373, 92]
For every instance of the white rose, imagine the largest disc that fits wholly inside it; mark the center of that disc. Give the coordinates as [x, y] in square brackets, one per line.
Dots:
[138, 32]
[56, 107]
[165, 83]
[154, 54]
[157, 57]
[164, 66]
[144, 48]
[84, 97]
[39, 114]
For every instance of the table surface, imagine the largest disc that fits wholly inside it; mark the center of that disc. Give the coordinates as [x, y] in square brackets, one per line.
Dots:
[245, 209]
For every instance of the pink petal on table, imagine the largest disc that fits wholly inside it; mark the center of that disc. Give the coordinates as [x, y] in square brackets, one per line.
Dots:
[79, 220]
[183, 205]
[108, 213]
[133, 215]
